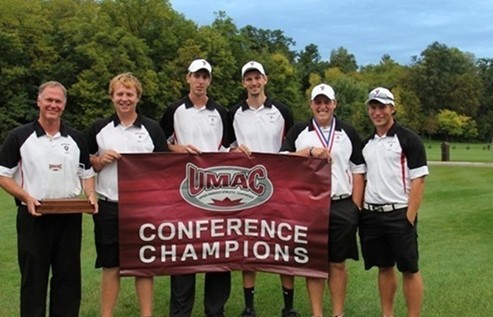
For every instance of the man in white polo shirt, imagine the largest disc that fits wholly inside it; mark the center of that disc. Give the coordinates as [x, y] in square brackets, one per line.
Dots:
[396, 170]
[325, 136]
[196, 124]
[260, 125]
[125, 131]
[40, 160]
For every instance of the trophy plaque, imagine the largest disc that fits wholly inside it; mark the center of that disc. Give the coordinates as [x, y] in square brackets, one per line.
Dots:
[64, 206]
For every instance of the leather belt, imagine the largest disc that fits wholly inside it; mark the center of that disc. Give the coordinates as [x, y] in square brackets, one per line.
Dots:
[384, 207]
[104, 198]
[340, 197]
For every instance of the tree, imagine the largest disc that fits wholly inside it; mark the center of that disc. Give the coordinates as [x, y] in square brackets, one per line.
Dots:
[309, 62]
[26, 59]
[84, 43]
[446, 77]
[225, 74]
[409, 110]
[262, 41]
[451, 124]
[485, 111]
[283, 83]
[387, 73]
[351, 94]
[237, 44]
[341, 59]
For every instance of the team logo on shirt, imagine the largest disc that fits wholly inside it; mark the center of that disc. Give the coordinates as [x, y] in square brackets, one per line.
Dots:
[212, 120]
[226, 188]
[55, 167]
[66, 147]
[140, 136]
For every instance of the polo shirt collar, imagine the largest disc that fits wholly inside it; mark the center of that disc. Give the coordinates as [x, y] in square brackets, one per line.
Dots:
[392, 131]
[189, 104]
[311, 127]
[40, 131]
[267, 104]
[116, 121]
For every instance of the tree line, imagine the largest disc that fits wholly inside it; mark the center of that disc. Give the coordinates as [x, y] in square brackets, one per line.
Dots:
[443, 93]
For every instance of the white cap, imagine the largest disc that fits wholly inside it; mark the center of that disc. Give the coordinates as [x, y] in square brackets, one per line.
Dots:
[323, 89]
[199, 64]
[382, 95]
[252, 65]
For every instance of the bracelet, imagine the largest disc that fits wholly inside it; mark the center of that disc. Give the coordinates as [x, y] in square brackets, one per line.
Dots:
[311, 151]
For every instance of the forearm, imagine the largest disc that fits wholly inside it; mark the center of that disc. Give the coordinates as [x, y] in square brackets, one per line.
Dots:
[11, 187]
[96, 163]
[89, 186]
[358, 189]
[415, 196]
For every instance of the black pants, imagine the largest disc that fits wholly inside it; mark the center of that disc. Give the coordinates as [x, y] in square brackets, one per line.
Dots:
[216, 293]
[49, 241]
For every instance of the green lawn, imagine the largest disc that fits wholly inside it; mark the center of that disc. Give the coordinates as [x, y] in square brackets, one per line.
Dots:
[455, 227]
[461, 152]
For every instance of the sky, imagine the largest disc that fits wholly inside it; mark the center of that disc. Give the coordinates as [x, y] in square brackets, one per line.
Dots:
[368, 29]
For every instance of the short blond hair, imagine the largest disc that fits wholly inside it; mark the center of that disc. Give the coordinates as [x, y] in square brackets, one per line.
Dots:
[128, 80]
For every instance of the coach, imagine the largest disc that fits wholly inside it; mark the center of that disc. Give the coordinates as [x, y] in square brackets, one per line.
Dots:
[40, 160]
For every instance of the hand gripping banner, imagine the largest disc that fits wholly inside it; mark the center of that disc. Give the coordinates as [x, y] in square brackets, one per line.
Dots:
[182, 213]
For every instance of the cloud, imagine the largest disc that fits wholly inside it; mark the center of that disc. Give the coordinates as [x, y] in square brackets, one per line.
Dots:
[368, 29]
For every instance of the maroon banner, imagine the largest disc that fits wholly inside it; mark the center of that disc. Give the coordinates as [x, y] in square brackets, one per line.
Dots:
[183, 213]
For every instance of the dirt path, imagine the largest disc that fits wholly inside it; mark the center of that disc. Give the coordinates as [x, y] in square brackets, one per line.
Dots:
[475, 164]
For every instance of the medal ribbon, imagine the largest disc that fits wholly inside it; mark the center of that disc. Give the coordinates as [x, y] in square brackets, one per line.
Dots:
[329, 141]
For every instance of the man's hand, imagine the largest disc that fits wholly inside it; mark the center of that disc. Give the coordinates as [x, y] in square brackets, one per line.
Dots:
[242, 149]
[31, 204]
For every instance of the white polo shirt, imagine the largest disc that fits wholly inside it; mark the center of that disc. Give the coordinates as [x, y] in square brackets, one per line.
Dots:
[46, 166]
[392, 161]
[262, 129]
[143, 136]
[345, 153]
[206, 128]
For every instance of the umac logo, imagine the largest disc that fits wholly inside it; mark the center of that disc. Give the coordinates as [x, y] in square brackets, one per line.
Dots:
[226, 188]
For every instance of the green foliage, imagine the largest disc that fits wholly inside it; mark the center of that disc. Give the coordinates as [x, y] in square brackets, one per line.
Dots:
[343, 60]
[485, 111]
[351, 94]
[83, 44]
[446, 78]
[387, 73]
[451, 124]
[283, 83]
[309, 62]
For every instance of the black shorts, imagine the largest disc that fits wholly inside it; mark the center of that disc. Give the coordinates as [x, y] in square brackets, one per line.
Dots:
[106, 235]
[387, 239]
[343, 225]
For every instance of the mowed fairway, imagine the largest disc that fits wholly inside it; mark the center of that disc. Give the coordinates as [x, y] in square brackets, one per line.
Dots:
[456, 234]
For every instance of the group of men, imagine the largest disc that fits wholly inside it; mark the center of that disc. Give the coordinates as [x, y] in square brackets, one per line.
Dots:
[377, 186]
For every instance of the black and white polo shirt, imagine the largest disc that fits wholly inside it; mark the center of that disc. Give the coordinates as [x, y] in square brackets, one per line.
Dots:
[345, 152]
[206, 128]
[262, 129]
[392, 161]
[143, 136]
[46, 166]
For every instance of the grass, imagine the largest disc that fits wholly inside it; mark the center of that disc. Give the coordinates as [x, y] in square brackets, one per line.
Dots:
[455, 246]
[461, 152]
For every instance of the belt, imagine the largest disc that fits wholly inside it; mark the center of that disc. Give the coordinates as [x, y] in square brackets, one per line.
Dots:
[104, 198]
[340, 197]
[384, 207]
